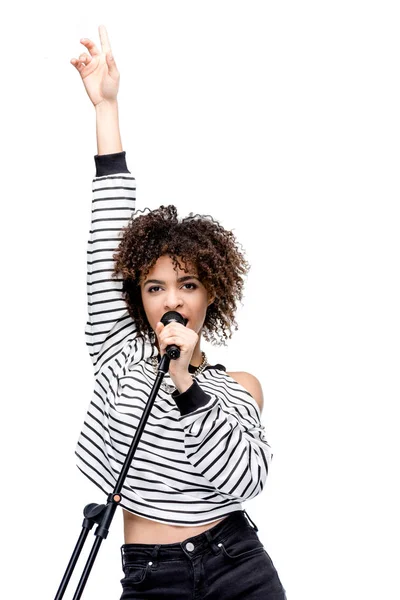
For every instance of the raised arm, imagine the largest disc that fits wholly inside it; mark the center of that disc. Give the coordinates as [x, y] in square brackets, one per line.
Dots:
[113, 202]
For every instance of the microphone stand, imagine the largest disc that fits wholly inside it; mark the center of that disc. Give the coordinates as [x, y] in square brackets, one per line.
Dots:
[104, 513]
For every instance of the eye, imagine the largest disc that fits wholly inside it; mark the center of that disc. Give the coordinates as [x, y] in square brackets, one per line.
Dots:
[194, 286]
[154, 288]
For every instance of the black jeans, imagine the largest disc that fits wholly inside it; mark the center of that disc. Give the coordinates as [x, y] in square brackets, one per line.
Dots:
[227, 562]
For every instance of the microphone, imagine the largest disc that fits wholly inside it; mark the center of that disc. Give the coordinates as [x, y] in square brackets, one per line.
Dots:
[172, 350]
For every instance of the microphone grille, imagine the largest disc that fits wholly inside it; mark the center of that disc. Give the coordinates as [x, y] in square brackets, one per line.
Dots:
[172, 315]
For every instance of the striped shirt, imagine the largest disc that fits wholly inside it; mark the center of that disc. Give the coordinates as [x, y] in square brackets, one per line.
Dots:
[203, 452]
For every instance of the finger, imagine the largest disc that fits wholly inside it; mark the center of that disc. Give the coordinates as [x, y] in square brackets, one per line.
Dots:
[77, 64]
[173, 340]
[85, 58]
[181, 334]
[112, 67]
[159, 328]
[91, 46]
[105, 42]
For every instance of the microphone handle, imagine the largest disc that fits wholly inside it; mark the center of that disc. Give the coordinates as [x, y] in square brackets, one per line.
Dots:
[173, 351]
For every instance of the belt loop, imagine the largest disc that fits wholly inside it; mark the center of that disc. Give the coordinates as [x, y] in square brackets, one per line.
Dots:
[214, 546]
[252, 522]
[154, 554]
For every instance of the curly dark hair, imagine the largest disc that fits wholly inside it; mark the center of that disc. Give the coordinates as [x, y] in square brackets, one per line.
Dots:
[199, 241]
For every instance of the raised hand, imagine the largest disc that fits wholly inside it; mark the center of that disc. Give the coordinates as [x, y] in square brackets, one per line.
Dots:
[99, 72]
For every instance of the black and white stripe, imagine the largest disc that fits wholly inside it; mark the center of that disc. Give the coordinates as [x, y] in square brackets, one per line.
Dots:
[188, 469]
[109, 323]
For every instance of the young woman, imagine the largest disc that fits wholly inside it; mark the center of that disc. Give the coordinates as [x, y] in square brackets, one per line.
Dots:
[203, 451]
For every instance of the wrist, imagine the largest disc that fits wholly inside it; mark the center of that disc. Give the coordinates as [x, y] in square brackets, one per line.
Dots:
[183, 383]
[107, 128]
[106, 105]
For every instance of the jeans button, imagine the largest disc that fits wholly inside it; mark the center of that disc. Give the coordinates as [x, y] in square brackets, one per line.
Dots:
[189, 547]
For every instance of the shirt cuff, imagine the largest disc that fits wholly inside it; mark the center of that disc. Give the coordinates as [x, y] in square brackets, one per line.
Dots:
[110, 164]
[192, 399]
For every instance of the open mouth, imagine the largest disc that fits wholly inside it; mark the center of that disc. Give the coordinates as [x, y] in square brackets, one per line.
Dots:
[185, 320]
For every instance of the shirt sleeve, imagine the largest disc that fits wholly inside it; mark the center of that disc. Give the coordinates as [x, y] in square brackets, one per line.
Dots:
[113, 203]
[225, 440]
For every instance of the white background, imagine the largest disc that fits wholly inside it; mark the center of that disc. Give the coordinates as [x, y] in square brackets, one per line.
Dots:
[282, 120]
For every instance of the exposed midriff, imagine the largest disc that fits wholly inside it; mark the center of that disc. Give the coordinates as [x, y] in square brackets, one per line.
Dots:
[138, 530]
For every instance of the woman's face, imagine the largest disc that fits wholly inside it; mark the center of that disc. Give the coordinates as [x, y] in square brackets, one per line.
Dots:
[165, 289]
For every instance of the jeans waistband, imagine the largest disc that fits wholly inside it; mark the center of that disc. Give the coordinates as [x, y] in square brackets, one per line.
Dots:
[192, 546]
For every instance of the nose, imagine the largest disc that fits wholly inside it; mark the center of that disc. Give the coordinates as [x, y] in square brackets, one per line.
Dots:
[172, 300]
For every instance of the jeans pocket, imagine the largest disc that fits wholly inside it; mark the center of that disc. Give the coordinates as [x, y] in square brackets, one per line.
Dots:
[237, 549]
[135, 573]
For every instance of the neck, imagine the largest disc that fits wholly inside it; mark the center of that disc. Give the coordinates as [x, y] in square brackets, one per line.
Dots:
[197, 359]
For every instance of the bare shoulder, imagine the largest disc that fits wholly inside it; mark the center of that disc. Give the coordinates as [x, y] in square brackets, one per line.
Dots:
[251, 384]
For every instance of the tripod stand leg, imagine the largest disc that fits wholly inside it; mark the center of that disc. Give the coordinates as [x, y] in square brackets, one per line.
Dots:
[71, 565]
[88, 568]
[103, 514]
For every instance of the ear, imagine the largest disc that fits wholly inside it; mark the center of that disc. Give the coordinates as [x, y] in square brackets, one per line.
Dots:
[211, 299]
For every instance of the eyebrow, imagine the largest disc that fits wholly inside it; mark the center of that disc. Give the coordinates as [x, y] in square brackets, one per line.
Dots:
[180, 280]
